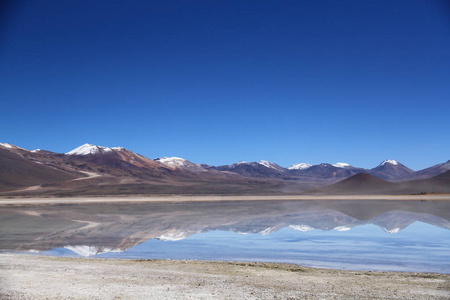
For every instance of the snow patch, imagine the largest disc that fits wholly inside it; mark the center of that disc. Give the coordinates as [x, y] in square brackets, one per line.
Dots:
[6, 145]
[178, 161]
[270, 165]
[301, 166]
[389, 161]
[266, 163]
[10, 146]
[239, 163]
[87, 149]
[341, 165]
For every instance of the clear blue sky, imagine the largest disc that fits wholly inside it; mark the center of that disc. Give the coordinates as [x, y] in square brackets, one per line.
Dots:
[221, 81]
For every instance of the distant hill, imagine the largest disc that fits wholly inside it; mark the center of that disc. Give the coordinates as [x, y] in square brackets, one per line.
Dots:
[432, 171]
[366, 184]
[437, 184]
[358, 184]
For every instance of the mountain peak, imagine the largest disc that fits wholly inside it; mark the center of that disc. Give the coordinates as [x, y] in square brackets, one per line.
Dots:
[178, 161]
[87, 149]
[9, 146]
[341, 165]
[6, 145]
[389, 161]
[300, 166]
[270, 165]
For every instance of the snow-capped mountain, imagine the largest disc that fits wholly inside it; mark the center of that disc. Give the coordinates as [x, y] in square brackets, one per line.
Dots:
[264, 163]
[9, 146]
[116, 161]
[6, 145]
[88, 149]
[261, 169]
[341, 165]
[389, 161]
[390, 169]
[172, 161]
[300, 166]
[323, 171]
[179, 163]
[271, 165]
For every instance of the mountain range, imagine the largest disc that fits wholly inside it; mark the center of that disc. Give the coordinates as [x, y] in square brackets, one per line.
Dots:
[97, 170]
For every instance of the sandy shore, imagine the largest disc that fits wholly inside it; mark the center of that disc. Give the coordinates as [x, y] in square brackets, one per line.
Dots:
[42, 200]
[40, 277]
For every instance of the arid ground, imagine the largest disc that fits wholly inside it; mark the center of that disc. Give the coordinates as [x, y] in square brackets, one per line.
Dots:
[40, 277]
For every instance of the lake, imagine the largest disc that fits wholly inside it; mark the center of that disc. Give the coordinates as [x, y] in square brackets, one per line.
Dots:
[356, 235]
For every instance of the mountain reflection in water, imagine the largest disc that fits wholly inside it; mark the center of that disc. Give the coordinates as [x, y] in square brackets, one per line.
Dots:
[94, 229]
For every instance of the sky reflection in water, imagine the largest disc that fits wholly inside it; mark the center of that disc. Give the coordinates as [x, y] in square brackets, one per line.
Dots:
[418, 248]
[370, 235]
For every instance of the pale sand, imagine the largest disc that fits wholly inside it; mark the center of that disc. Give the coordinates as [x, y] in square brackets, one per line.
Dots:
[101, 199]
[40, 277]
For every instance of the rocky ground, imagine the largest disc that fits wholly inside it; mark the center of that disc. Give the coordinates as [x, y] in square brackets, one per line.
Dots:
[41, 277]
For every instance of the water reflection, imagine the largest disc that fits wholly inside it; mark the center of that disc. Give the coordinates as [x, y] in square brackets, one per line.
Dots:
[93, 229]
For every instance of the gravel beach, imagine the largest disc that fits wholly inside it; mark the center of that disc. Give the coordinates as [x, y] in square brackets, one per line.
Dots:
[43, 277]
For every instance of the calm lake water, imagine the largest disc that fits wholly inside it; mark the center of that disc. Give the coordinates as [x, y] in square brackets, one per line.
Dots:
[369, 235]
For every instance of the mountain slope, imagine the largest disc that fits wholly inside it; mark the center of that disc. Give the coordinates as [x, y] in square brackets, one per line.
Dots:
[366, 184]
[323, 171]
[359, 184]
[17, 171]
[261, 169]
[179, 163]
[116, 161]
[391, 170]
[437, 184]
[432, 171]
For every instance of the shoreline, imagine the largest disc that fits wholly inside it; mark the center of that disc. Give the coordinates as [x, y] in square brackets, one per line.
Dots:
[26, 276]
[6, 200]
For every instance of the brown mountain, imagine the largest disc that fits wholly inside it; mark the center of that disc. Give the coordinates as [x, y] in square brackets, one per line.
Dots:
[437, 184]
[359, 184]
[366, 184]
[324, 171]
[17, 172]
[116, 161]
[392, 170]
[261, 169]
[96, 170]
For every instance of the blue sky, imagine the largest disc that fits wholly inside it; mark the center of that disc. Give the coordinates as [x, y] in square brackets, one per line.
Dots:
[221, 81]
